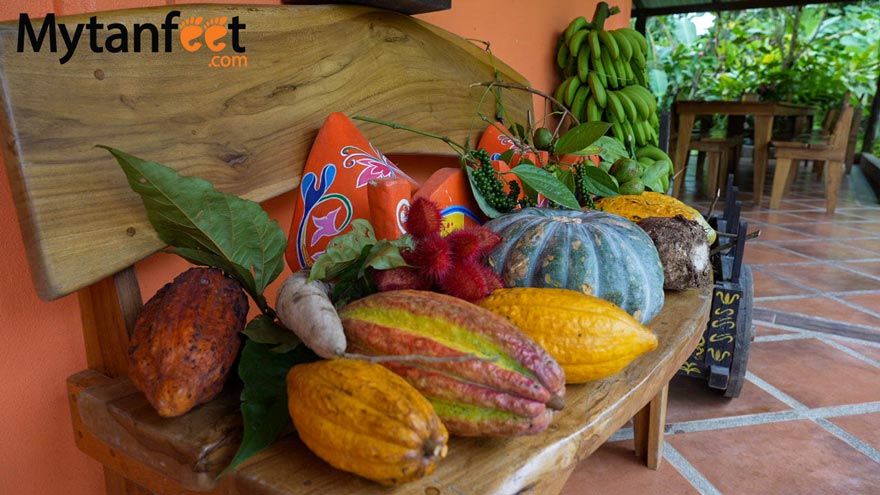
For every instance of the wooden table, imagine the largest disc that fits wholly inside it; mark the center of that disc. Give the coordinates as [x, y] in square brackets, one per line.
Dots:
[764, 112]
[112, 420]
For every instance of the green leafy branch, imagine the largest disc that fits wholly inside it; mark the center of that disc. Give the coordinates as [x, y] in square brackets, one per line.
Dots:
[208, 227]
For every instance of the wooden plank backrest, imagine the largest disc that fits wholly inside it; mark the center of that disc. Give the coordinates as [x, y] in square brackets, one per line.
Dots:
[840, 133]
[246, 129]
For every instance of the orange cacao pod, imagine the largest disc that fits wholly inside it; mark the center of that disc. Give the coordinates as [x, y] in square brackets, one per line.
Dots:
[362, 418]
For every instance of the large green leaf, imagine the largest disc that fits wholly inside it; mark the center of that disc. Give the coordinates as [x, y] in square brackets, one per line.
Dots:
[580, 137]
[547, 184]
[207, 226]
[264, 398]
[611, 149]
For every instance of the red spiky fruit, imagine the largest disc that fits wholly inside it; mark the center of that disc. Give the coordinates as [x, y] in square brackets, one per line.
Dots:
[423, 218]
[470, 281]
[433, 257]
[471, 243]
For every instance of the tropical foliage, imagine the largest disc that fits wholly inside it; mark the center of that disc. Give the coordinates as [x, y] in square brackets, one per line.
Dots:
[810, 54]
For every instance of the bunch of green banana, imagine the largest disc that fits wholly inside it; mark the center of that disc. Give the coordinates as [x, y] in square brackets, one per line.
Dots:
[605, 80]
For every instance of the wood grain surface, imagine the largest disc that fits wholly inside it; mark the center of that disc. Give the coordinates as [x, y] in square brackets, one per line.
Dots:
[118, 416]
[246, 129]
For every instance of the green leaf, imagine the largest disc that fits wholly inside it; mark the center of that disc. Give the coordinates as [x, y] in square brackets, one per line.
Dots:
[507, 156]
[343, 250]
[580, 137]
[588, 151]
[264, 330]
[478, 196]
[547, 184]
[264, 398]
[611, 149]
[205, 224]
[384, 255]
[598, 182]
[566, 177]
[653, 175]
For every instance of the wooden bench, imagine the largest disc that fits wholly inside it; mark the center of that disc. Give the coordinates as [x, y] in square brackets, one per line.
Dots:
[248, 131]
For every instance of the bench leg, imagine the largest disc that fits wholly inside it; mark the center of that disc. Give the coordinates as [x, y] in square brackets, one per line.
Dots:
[780, 179]
[648, 426]
[833, 176]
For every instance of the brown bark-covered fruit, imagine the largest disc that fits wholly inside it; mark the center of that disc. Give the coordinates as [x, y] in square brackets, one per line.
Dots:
[683, 249]
[185, 340]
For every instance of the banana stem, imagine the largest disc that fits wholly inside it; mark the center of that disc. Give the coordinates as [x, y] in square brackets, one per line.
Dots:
[603, 13]
[461, 150]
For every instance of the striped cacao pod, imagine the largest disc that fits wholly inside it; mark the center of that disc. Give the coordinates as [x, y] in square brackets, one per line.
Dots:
[507, 387]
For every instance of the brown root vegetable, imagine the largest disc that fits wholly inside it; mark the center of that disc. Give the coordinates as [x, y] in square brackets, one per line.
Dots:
[683, 250]
[305, 308]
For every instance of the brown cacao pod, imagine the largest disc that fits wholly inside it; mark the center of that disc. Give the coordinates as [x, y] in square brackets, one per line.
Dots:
[504, 389]
[361, 418]
[185, 340]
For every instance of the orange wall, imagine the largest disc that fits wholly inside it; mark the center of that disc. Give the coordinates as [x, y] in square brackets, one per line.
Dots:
[42, 342]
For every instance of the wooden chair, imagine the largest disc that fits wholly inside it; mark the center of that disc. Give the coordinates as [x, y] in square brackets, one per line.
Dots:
[721, 155]
[248, 130]
[831, 151]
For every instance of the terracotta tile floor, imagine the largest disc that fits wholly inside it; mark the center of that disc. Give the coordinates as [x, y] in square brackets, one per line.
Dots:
[808, 418]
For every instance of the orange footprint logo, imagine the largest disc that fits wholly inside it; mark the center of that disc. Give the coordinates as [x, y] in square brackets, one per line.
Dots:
[215, 29]
[190, 30]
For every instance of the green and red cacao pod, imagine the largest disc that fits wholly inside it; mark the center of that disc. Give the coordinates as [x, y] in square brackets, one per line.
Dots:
[507, 387]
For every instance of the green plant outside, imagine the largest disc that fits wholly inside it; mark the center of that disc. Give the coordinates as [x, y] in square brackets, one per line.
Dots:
[807, 54]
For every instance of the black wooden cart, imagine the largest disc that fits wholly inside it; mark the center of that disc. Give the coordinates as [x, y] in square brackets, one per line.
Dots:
[722, 355]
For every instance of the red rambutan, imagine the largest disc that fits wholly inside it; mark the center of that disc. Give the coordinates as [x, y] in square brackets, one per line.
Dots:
[423, 218]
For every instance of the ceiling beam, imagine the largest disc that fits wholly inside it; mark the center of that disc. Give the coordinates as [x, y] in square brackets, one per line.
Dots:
[717, 6]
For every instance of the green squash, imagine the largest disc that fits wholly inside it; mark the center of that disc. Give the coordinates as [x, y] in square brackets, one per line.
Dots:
[597, 253]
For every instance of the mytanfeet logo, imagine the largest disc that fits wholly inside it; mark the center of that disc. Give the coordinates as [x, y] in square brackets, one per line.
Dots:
[194, 34]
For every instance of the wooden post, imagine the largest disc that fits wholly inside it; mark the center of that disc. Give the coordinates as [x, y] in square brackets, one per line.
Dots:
[109, 309]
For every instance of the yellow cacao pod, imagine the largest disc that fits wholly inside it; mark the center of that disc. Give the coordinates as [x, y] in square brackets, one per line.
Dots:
[590, 337]
[362, 418]
[637, 207]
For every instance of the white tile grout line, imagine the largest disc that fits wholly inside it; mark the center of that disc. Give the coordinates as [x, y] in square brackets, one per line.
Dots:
[859, 307]
[775, 392]
[860, 292]
[850, 439]
[851, 352]
[818, 293]
[829, 320]
[690, 473]
[801, 333]
[798, 411]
